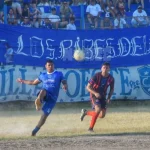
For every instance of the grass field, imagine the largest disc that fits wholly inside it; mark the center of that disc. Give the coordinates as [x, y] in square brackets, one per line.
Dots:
[65, 121]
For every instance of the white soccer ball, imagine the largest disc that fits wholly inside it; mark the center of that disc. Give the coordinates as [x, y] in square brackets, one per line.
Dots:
[79, 55]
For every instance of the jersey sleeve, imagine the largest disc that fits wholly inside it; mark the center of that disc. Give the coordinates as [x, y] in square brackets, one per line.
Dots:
[40, 77]
[88, 9]
[93, 80]
[62, 76]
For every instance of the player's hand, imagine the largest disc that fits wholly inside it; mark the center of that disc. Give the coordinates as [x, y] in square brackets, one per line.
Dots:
[97, 95]
[65, 87]
[108, 101]
[19, 80]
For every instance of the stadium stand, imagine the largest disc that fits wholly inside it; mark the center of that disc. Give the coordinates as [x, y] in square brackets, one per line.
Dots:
[79, 11]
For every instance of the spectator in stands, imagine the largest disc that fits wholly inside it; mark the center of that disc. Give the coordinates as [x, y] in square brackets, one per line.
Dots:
[56, 21]
[9, 54]
[43, 3]
[11, 16]
[34, 11]
[82, 2]
[34, 1]
[16, 22]
[44, 7]
[1, 8]
[26, 22]
[75, 3]
[120, 22]
[46, 23]
[28, 2]
[1, 21]
[25, 11]
[140, 17]
[16, 6]
[111, 8]
[139, 2]
[71, 25]
[35, 14]
[54, 3]
[93, 11]
[120, 6]
[1, 14]
[106, 22]
[66, 10]
[102, 4]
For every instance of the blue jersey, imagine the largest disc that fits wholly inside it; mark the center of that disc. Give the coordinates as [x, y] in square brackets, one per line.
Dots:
[51, 82]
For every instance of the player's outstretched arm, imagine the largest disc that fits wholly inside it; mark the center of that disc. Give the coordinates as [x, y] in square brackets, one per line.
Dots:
[64, 85]
[30, 82]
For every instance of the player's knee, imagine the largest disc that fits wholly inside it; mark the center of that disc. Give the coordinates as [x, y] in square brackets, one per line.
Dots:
[42, 92]
[101, 116]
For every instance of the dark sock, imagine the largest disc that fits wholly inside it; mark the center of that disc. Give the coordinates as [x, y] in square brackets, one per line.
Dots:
[35, 131]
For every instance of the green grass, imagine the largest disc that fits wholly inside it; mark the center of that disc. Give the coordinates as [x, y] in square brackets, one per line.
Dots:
[64, 121]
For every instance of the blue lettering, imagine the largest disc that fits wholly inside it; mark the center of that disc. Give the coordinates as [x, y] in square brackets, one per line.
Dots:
[10, 92]
[23, 85]
[112, 73]
[77, 81]
[36, 89]
[124, 81]
[3, 73]
[84, 82]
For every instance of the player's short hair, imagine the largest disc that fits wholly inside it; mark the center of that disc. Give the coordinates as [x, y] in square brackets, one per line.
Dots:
[106, 64]
[49, 61]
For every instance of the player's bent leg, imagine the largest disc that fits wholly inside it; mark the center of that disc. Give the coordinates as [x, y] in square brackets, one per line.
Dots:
[83, 114]
[94, 117]
[40, 124]
[40, 97]
[42, 120]
[102, 113]
[47, 108]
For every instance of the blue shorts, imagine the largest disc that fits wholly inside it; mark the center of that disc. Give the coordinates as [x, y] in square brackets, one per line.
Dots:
[48, 103]
[47, 107]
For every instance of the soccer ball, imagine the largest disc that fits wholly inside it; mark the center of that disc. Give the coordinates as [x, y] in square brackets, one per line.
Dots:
[79, 55]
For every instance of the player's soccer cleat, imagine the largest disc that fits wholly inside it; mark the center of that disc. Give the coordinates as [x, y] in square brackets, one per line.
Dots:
[33, 134]
[38, 104]
[83, 114]
[91, 130]
[35, 131]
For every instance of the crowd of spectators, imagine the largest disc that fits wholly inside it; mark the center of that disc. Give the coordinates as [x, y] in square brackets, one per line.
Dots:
[99, 14]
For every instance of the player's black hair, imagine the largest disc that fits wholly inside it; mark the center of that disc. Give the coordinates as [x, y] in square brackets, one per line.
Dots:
[106, 64]
[49, 61]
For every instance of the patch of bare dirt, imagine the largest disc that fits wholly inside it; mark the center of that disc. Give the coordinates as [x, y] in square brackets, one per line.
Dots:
[93, 142]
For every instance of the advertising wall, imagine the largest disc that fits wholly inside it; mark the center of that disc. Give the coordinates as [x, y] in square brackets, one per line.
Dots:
[130, 83]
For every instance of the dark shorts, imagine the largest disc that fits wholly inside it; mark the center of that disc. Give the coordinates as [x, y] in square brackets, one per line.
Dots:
[99, 102]
[48, 103]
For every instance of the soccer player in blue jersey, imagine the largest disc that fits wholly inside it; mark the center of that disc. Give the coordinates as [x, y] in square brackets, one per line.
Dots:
[47, 96]
[97, 86]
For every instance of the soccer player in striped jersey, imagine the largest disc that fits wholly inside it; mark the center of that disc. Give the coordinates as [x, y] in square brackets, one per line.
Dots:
[97, 86]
